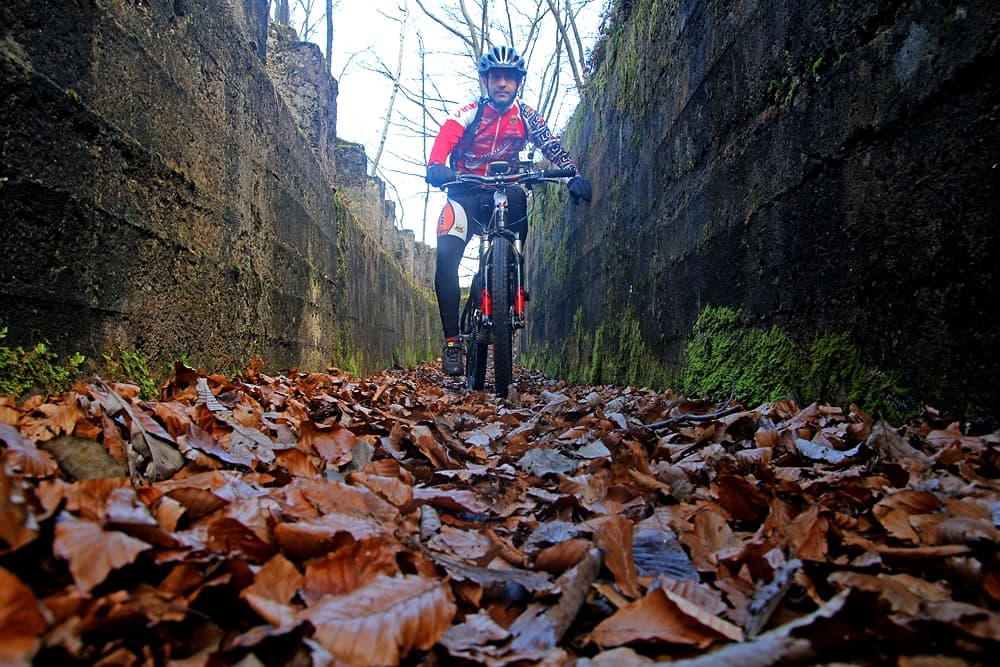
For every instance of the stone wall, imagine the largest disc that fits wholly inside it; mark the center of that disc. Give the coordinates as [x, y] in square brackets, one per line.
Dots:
[825, 166]
[159, 191]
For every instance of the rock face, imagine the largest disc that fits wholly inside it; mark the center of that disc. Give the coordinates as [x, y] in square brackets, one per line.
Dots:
[168, 182]
[824, 166]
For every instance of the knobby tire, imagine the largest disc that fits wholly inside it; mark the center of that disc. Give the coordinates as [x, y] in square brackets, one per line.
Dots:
[503, 330]
[476, 345]
[475, 370]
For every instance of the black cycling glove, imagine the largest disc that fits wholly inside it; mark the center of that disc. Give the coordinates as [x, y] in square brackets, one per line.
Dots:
[579, 188]
[438, 175]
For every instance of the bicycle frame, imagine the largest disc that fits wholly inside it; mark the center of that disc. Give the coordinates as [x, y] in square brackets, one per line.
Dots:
[495, 309]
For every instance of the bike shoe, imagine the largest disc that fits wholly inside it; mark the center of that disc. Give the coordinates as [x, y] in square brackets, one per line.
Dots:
[451, 360]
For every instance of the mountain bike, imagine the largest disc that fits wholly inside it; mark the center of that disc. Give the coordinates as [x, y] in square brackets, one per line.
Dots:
[495, 309]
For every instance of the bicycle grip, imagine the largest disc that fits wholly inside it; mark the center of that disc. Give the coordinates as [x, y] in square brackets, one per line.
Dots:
[558, 173]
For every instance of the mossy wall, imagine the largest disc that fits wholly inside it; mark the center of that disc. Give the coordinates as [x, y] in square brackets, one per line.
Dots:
[163, 189]
[825, 169]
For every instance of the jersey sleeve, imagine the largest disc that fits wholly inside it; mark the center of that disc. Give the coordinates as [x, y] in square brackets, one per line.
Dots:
[450, 133]
[540, 135]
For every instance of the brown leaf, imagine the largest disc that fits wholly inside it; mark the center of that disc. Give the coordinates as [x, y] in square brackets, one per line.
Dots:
[460, 500]
[562, 556]
[384, 621]
[273, 589]
[312, 497]
[807, 535]
[392, 489]
[297, 462]
[333, 443]
[196, 502]
[49, 420]
[174, 417]
[615, 538]
[314, 537]
[22, 621]
[652, 618]
[245, 536]
[8, 411]
[710, 535]
[348, 568]
[435, 452]
[905, 593]
[22, 456]
[17, 525]
[278, 580]
[742, 498]
[966, 530]
[708, 617]
[93, 552]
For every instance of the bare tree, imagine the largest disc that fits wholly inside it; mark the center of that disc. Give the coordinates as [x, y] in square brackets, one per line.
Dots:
[482, 23]
[395, 78]
[564, 43]
[329, 34]
[282, 12]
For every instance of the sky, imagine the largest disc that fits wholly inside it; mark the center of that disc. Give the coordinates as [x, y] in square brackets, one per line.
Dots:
[366, 37]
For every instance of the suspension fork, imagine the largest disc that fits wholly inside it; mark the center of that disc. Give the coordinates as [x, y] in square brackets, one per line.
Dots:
[485, 298]
[519, 298]
[486, 252]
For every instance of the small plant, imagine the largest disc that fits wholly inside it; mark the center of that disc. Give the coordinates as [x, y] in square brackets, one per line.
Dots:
[817, 68]
[36, 370]
[131, 366]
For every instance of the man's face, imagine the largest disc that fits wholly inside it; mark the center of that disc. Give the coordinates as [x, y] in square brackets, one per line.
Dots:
[502, 85]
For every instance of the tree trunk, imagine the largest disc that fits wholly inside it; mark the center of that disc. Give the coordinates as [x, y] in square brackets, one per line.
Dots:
[329, 35]
[395, 90]
[282, 13]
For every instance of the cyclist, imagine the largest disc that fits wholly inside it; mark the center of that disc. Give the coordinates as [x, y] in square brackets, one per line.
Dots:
[493, 129]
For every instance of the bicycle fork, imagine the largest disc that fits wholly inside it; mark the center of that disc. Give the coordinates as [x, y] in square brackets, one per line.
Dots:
[519, 296]
[485, 249]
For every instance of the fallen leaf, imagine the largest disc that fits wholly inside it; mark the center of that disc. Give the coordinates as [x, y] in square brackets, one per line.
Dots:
[382, 622]
[93, 552]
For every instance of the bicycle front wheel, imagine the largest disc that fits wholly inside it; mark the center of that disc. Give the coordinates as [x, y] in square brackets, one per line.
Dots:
[476, 346]
[503, 329]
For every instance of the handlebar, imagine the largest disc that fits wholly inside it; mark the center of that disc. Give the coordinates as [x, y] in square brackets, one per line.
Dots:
[523, 178]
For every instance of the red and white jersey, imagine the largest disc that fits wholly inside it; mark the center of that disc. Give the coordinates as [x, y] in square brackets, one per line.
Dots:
[499, 138]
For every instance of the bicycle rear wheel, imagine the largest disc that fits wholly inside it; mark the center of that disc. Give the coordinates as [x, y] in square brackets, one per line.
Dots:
[503, 329]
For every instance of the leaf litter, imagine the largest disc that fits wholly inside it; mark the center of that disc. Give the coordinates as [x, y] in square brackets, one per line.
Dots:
[325, 519]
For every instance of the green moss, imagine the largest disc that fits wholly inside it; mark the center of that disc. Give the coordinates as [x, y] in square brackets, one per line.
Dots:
[817, 67]
[836, 369]
[628, 30]
[37, 370]
[14, 59]
[725, 356]
[131, 366]
[345, 356]
[613, 353]
[342, 207]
